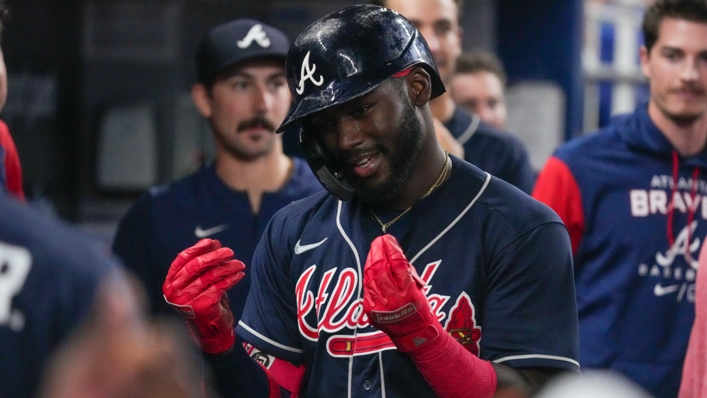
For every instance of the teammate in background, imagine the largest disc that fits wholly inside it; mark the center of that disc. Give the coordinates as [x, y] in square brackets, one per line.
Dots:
[10, 168]
[631, 197]
[416, 274]
[242, 92]
[479, 85]
[694, 374]
[498, 152]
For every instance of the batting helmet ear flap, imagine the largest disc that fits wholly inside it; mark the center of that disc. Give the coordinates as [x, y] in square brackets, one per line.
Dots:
[321, 162]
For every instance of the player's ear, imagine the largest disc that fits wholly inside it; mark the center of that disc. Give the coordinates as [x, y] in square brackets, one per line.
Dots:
[420, 85]
[202, 99]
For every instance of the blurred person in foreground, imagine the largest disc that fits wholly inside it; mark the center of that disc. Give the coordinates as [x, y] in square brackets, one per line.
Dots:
[62, 296]
[694, 374]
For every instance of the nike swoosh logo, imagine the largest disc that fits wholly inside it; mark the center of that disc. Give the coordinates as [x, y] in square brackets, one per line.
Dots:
[659, 290]
[203, 233]
[299, 249]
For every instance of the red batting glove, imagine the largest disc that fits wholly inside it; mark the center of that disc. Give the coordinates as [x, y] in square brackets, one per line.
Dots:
[196, 287]
[393, 298]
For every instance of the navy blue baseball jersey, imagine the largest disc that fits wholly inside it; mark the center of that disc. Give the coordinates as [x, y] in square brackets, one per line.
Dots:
[635, 253]
[49, 274]
[498, 269]
[169, 218]
[492, 150]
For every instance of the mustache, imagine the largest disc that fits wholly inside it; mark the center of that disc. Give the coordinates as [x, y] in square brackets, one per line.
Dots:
[257, 121]
[690, 88]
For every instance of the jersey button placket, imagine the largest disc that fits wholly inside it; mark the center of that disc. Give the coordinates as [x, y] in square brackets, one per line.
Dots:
[367, 385]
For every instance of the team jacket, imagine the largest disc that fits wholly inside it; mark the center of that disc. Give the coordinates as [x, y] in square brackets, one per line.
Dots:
[501, 154]
[169, 218]
[10, 169]
[497, 264]
[49, 274]
[635, 253]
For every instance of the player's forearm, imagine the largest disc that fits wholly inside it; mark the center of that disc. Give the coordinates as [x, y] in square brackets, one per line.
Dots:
[236, 374]
[452, 371]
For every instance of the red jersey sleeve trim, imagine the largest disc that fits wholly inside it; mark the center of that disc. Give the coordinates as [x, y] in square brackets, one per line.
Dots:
[13, 169]
[557, 188]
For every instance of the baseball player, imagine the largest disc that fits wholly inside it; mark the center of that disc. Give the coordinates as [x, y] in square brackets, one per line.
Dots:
[415, 274]
[498, 152]
[242, 93]
[71, 325]
[49, 275]
[632, 197]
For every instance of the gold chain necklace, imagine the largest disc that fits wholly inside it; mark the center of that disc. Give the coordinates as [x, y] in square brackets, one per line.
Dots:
[440, 179]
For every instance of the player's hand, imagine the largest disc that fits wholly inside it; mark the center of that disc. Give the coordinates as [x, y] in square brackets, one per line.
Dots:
[196, 287]
[393, 298]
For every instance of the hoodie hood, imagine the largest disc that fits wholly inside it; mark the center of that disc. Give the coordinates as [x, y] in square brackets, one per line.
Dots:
[642, 135]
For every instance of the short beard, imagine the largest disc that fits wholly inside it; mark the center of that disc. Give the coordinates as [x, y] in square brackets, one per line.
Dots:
[682, 120]
[402, 162]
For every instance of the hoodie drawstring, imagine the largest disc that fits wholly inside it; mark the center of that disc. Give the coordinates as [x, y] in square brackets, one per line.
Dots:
[690, 209]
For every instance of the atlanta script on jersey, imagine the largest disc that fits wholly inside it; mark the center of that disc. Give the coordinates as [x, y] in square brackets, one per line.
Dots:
[497, 267]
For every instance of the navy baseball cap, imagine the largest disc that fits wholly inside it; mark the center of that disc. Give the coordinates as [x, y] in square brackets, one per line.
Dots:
[236, 41]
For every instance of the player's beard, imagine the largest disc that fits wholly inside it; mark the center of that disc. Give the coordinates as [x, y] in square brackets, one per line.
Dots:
[402, 159]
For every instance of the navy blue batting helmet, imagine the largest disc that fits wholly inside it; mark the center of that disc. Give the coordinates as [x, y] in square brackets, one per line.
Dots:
[348, 53]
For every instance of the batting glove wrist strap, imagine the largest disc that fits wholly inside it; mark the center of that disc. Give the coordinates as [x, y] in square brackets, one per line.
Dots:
[394, 300]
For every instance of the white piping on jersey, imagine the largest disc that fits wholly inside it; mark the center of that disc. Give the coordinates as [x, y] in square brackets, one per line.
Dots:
[360, 278]
[456, 220]
[473, 126]
[267, 340]
[348, 383]
[380, 364]
[351, 245]
[528, 356]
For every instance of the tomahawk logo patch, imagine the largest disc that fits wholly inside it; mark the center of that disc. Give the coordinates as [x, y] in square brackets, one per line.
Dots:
[307, 73]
